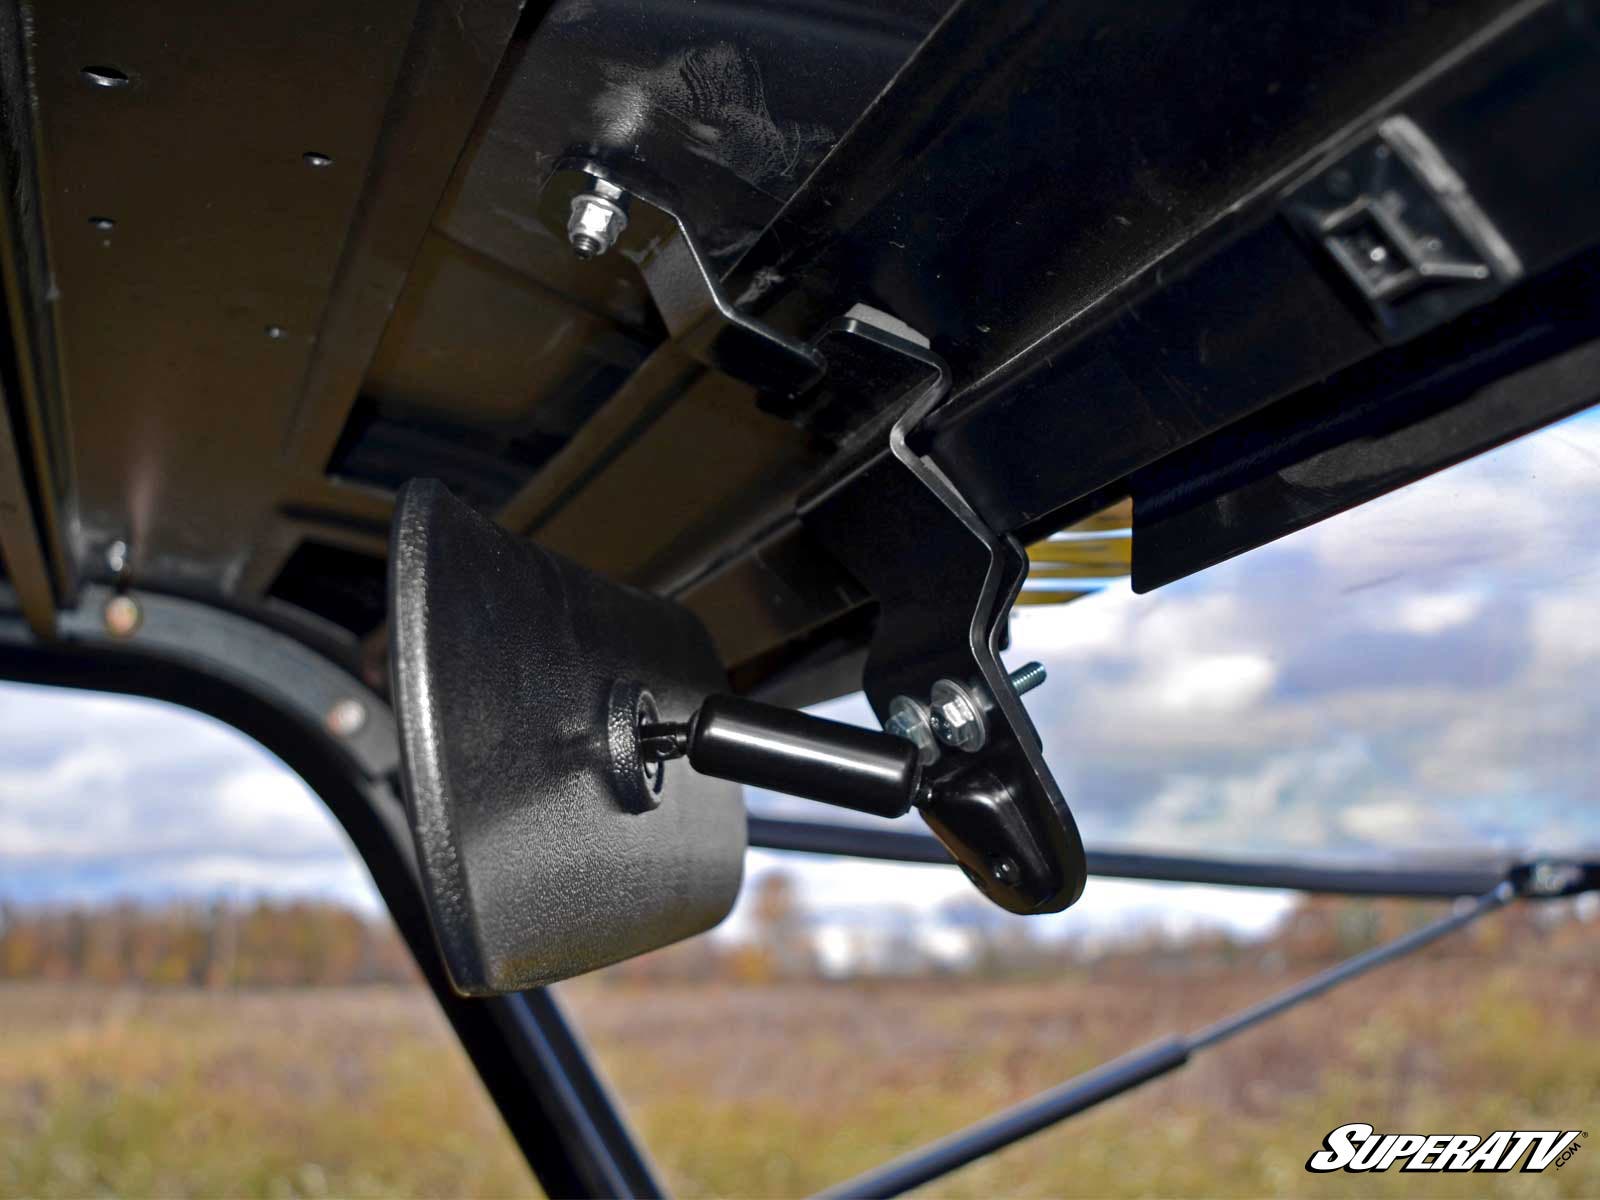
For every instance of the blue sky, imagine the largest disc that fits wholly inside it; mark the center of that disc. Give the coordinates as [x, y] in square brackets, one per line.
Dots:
[1418, 678]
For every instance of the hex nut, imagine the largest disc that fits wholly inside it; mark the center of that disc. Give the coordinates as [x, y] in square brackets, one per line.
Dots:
[345, 718]
[595, 225]
[957, 717]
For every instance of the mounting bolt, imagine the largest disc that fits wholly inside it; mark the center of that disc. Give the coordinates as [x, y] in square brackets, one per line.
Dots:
[910, 719]
[956, 716]
[1027, 677]
[598, 219]
[345, 718]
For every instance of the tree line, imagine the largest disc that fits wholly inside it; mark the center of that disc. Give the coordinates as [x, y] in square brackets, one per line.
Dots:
[303, 943]
[214, 945]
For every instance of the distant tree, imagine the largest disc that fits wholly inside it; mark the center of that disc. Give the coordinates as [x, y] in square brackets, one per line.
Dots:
[782, 927]
[217, 945]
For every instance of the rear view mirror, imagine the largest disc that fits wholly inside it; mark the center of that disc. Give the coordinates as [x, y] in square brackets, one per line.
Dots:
[542, 855]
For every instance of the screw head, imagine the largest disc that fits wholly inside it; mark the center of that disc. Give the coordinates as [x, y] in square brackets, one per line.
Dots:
[1005, 870]
[122, 616]
[346, 717]
[596, 223]
[957, 717]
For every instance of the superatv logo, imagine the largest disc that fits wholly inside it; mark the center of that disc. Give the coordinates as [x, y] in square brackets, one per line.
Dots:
[1358, 1147]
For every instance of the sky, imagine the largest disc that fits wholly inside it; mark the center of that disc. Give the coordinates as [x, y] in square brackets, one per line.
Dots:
[1416, 679]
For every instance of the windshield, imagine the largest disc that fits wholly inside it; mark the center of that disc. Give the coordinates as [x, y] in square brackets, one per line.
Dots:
[1416, 680]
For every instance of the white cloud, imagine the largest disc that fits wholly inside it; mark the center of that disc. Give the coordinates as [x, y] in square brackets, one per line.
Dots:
[1109, 907]
[1429, 613]
[105, 795]
[1447, 632]
[1214, 682]
[1421, 674]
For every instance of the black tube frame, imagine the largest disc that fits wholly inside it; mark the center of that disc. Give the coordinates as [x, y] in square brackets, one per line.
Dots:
[533, 1063]
[907, 846]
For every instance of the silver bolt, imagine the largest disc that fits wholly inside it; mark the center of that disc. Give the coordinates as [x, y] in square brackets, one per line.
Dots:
[597, 220]
[1005, 870]
[956, 714]
[957, 717]
[117, 556]
[346, 717]
[909, 719]
[1027, 677]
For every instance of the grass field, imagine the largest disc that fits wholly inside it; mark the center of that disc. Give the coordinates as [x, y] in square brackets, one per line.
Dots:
[774, 1091]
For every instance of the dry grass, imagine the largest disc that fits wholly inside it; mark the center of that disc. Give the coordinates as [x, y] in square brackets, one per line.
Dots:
[358, 1092]
[762, 1094]
[777, 1091]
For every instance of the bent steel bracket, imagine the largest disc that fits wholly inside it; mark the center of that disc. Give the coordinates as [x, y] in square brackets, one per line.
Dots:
[945, 584]
[700, 318]
[944, 581]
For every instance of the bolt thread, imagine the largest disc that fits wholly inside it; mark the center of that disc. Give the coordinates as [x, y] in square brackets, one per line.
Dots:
[1027, 677]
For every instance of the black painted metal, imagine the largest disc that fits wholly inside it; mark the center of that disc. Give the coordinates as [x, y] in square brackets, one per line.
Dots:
[1123, 1074]
[1264, 315]
[1517, 364]
[538, 861]
[1025, 171]
[532, 1062]
[788, 751]
[1080, 203]
[738, 102]
[688, 295]
[897, 845]
[945, 583]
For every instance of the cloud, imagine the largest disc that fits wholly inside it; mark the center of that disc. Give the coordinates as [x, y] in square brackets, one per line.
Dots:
[863, 892]
[110, 796]
[1215, 683]
[1418, 676]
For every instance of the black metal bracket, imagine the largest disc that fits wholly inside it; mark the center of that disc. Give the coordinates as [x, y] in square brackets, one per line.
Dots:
[646, 228]
[945, 583]
[944, 580]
